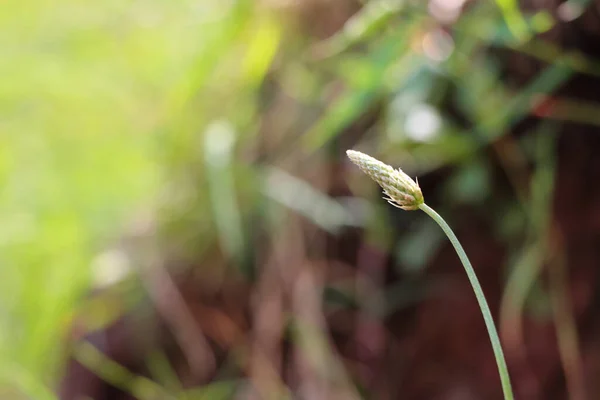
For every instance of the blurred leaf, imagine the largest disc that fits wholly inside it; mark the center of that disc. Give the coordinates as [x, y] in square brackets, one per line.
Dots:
[219, 144]
[514, 19]
[12, 375]
[528, 264]
[261, 50]
[118, 376]
[308, 201]
[373, 17]
[215, 391]
[387, 63]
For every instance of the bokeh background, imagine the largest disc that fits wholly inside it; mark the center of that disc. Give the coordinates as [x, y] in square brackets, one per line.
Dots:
[178, 219]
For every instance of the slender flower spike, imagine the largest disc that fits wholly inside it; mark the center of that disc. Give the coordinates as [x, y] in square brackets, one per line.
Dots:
[405, 193]
[401, 190]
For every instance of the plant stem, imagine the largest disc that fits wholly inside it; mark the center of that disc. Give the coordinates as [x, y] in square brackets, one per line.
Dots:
[483, 305]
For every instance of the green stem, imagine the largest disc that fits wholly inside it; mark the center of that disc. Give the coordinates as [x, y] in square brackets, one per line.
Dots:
[483, 305]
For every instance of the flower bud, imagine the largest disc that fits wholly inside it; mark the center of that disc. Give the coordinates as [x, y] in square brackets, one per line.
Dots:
[401, 190]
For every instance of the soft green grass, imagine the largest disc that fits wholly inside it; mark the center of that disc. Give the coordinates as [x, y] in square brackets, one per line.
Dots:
[87, 92]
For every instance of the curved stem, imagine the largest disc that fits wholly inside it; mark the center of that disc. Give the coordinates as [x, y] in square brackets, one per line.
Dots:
[483, 305]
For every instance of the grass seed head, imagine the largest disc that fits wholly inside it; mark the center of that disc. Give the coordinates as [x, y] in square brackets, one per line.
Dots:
[402, 191]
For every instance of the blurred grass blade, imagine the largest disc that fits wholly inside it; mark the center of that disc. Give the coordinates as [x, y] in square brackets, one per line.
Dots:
[372, 17]
[339, 115]
[529, 263]
[388, 62]
[306, 200]
[554, 54]
[220, 390]
[262, 47]
[551, 78]
[112, 372]
[514, 19]
[219, 144]
[17, 377]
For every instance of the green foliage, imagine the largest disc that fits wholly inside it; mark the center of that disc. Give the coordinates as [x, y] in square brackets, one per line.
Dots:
[181, 117]
[89, 92]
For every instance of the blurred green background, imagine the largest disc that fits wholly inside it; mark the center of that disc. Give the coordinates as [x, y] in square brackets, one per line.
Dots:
[183, 163]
